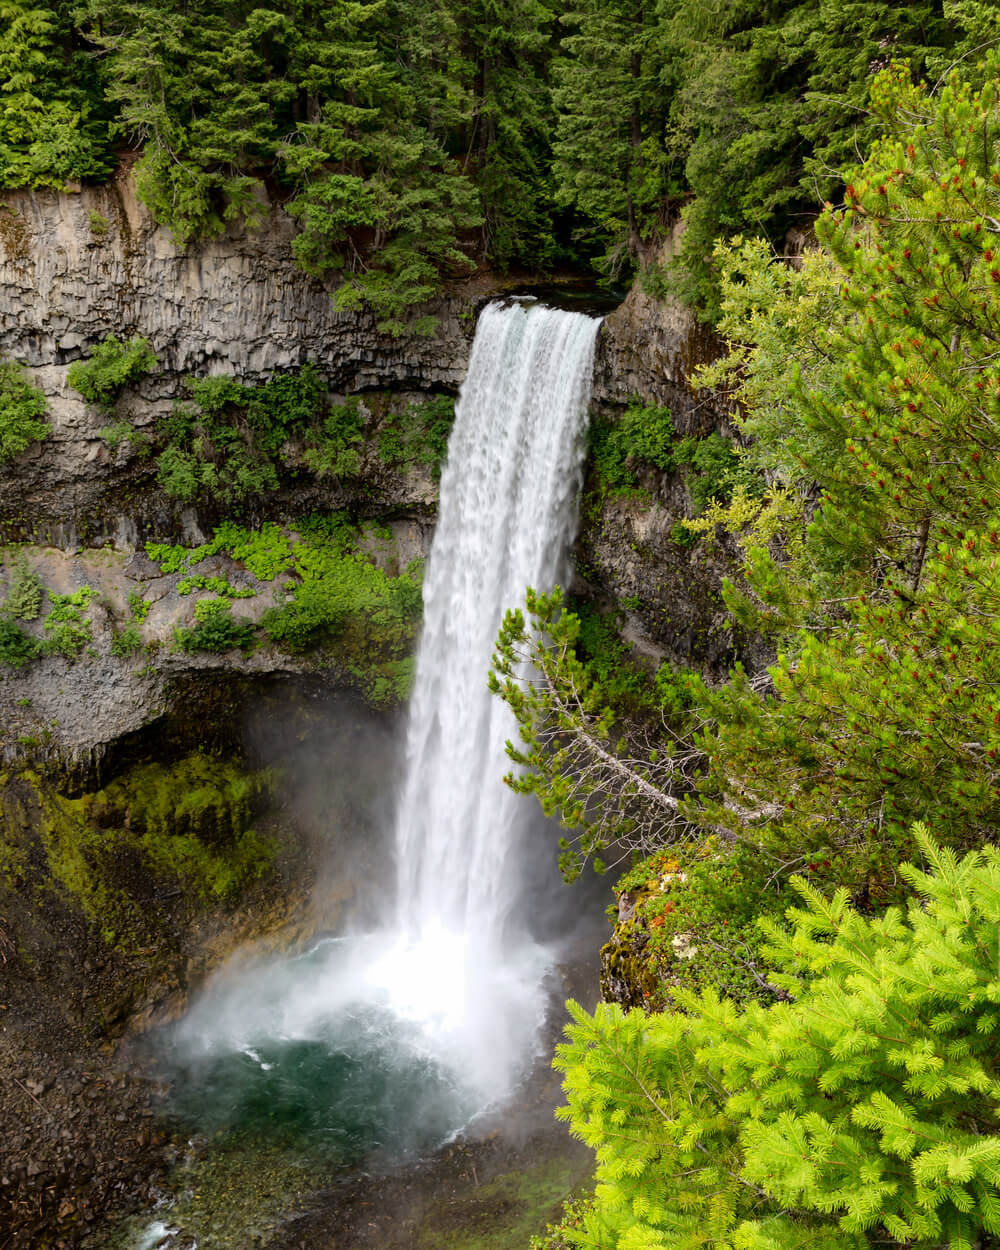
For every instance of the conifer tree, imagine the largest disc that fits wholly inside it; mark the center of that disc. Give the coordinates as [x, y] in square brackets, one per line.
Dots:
[861, 1111]
[882, 707]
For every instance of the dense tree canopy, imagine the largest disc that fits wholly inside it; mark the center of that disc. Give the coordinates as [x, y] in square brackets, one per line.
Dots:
[412, 141]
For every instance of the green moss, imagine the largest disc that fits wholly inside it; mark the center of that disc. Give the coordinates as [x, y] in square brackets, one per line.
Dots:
[188, 824]
[502, 1213]
[82, 861]
[232, 1195]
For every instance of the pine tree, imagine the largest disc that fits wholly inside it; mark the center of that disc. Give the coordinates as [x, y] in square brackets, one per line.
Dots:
[52, 125]
[608, 150]
[862, 1110]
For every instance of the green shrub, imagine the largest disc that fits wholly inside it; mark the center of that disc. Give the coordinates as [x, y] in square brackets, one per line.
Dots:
[716, 464]
[16, 647]
[66, 626]
[124, 431]
[138, 606]
[112, 366]
[128, 640]
[419, 434]
[24, 598]
[226, 443]
[217, 585]
[866, 1104]
[22, 411]
[336, 453]
[214, 629]
[642, 433]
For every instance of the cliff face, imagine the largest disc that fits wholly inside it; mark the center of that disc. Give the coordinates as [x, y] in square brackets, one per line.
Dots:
[77, 267]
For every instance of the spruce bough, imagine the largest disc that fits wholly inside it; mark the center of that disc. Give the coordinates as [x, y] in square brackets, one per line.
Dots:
[862, 1110]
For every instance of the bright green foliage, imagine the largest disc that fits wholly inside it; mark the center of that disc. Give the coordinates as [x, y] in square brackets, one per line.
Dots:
[863, 1110]
[265, 552]
[22, 411]
[345, 601]
[127, 641]
[418, 434]
[340, 437]
[67, 626]
[226, 444]
[53, 125]
[170, 559]
[336, 599]
[642, 433]
[138, 606]
[867, 1102]
[188, 823]
[217, 586]
[16, 647]
[112, 366]
[193, 820]
[880, 587]
[214, 629]
[717, 470]
[24, 596]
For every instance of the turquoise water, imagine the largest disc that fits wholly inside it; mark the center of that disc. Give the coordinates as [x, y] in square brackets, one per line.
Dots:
[306, 1052]
[362, 1089]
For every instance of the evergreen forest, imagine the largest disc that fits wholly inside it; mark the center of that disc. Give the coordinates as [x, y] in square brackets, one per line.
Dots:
[413, 142]
[809, 927]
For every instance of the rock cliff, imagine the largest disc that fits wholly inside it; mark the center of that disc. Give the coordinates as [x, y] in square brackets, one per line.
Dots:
[77, 267]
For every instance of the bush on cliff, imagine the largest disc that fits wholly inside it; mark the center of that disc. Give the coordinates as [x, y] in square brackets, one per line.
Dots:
[22, 411]
[113, 365]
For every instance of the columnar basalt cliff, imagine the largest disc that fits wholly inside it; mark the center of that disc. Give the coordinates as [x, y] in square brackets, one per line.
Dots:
[77, 267]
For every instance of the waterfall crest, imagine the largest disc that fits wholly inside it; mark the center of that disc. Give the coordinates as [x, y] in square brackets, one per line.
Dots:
[509, 495]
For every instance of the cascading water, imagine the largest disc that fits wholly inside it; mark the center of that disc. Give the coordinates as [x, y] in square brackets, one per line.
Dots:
[394, 1039]
[509, 494]
[508, 509]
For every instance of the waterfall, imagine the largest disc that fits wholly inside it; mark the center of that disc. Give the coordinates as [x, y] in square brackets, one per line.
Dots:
[508, 510]
[404, 1033]
[509, 496]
